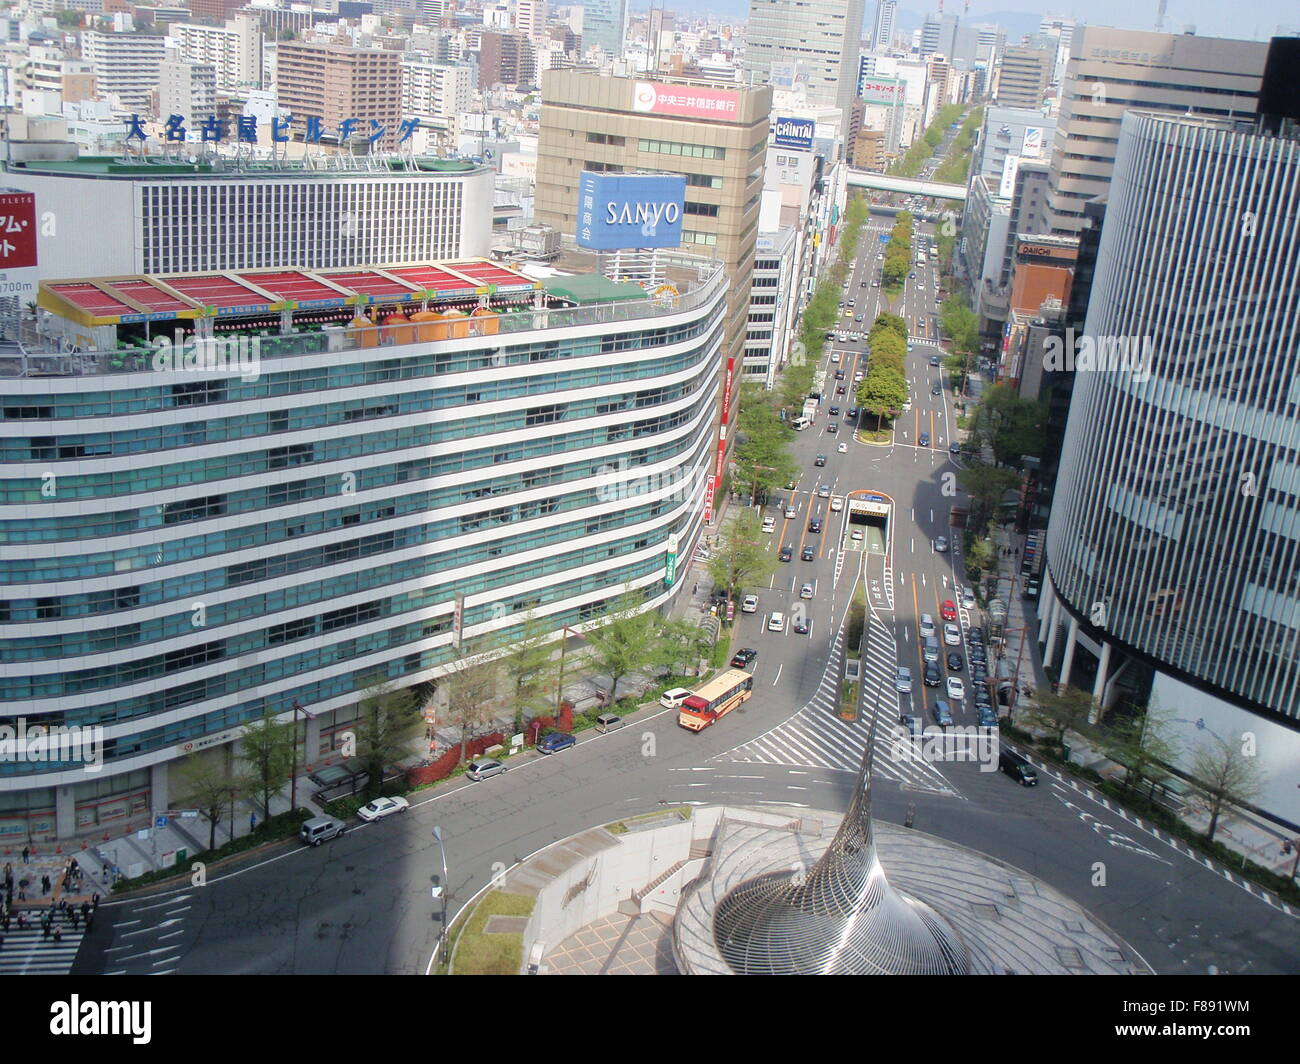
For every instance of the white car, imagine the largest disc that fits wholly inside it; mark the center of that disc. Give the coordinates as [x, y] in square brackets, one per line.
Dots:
[941, 544]
[382, 807]
[805, 592]
[967, 599]
[769, 524]
[843, 448]
[824, 492]
[791, 513]
[858, 376]
[835, 356]
[956, 689]
[749, 604]
[856, 534]
[951, 635]
[903, 681]
[837, 503]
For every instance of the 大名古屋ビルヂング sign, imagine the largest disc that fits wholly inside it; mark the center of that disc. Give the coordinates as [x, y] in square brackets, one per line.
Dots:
[630, 210]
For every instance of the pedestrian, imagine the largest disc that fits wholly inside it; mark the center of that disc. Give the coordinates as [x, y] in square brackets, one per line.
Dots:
[63, 905]
[85, 910]
[22, 893]
[73, 918]
[74, 867]
[94, 901]
[22, 921]
[45, 929]
[1017, 552]
[89, 920]
[58, 934]
[26, 853]
[695, 590]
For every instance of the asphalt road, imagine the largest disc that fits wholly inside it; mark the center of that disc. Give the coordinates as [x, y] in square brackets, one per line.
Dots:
[361, 904]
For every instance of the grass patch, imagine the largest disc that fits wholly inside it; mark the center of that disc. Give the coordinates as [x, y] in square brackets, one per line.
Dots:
[620, 827]
[477, 953]
[880, 435]
[849, 700]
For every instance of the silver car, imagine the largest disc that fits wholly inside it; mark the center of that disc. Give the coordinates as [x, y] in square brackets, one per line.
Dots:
[903, 681]
[482, 768]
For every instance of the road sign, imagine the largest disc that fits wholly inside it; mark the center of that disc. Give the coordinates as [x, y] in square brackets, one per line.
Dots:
[160, 822]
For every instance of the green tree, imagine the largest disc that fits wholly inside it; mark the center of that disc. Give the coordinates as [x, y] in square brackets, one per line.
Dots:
[762, 459]
[893, 323]
[471, 689]
[1227, 775]
[208, 784]
[1060, 712]
[529, 666]
[680, 646]
[1012, 426]
[741, 556]
[980, 558]
[883, 392]
[388, 718]
[986, 485]
[68, 20]
[627, 641]
[267, 749]
[1143, 743]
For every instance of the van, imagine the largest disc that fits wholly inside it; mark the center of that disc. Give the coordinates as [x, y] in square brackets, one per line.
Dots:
[800, 423]
[673, 698]
[1017, 768]
[607, 722]
[930, 650]
[927, 626]
[776, 623]
[320, 829]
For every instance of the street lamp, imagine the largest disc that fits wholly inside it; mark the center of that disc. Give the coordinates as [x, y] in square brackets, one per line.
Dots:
[440, 890]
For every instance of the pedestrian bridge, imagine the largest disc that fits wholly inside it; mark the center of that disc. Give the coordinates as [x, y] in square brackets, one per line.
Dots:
[885, 183]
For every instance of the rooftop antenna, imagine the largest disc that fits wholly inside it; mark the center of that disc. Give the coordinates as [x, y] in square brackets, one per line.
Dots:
[1160, 16]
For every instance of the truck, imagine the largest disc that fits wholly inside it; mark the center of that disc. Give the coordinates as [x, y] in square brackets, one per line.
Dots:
[810, 410]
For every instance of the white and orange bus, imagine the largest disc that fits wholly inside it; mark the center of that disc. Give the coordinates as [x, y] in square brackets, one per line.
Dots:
[715, 699]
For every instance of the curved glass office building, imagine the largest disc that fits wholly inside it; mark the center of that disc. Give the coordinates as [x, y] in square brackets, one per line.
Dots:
[1174, 543]
[189, 544]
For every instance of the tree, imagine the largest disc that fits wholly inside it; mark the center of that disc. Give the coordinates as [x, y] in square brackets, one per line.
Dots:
[680, 645]
[1061, 712]
[893, 323]
[1012, 426]
[209, 786]
[471, 685]
[268, 750]
[986, 485]
[68, 20]
[741, 556]
[979, 558]
[1226, 775]
[388, 718]
[1143, 744]
[626, 642]
[884, 391]
[529, 665]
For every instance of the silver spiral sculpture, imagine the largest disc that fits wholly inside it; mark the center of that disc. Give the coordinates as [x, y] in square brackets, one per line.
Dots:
[840, 918]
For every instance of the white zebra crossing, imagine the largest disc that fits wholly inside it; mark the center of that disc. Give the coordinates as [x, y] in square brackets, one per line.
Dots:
[25, 952]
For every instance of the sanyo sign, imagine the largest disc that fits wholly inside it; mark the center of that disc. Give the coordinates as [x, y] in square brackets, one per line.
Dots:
[630, 210]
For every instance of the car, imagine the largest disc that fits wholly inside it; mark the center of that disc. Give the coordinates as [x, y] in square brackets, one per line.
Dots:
[857, 317]
[807, 554]
[824, 491]
[955, 662]
[832, 428]
[820, 460]
[940, 544]
[987, 718]
[1017, 768]
[975, 634]
[320, 829]
[942, 714]
[787, 553]
[790, 484]
[483, 768]
[912, 274]
[909, 347]
[934, 360]
[853, 412]
[912, 725]
[555, 742]
[835, 357]
[967, 599]
[951, 635]
[815, 525]
[857, 377]
[749, 604]
[743, 657]
[776, 622]
[769, 524]
[674, 697]
[837, 503]
[839, 374]
[800, 627]
[932, 675]
[856, 534]
[956, 689]
[843, 448]
[842, 337]
[840, 390]
[976, 654]
[982, 696]
[791, 513]
[927, 626]
[903, 680]
[382, 807]
[806, 591]
[937, 390]
[948, 610]
[978, 673]
[954, 449]
[924, 441]
[835, 411]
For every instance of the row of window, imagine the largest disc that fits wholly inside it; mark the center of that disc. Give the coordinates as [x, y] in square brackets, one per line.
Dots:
[689, 151]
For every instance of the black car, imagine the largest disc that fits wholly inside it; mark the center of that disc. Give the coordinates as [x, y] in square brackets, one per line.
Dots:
[955, 663]
[807, 554]
[852, 412]
[937, 390]
[932, 677]
[978, 674]
[743, 657]
[800, 627]
[1017, 768]
[934, 360]
[839, 374]
[924, 441]
[839, 390]
[835, 411]
[975, 635]
[786, 554]
[954, 449]
[988, 719]
[815, 525]
[820, 460]
[832, 428]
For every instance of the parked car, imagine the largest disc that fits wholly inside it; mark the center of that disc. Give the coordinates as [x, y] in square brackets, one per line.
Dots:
[382, 807]
[749, 604]
[744, 657]
[320, 829]
[987, 718]
[967, 599]
[555, 742]
[769, 524]
[482, 768]
[955, 662]
[948, 610]
[956, 689]
[674, 697]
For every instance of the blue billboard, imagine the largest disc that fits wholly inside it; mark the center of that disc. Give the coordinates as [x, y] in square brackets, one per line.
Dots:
[795, 133]
[630, 210]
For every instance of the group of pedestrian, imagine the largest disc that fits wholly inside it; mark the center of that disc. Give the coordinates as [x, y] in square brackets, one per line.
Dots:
[54, 920]
[1007, 552]
[71, 876]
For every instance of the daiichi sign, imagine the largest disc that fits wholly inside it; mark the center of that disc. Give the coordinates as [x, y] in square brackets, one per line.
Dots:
[630, 210]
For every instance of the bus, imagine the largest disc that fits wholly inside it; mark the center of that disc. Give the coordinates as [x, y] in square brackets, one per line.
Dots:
[715, 699]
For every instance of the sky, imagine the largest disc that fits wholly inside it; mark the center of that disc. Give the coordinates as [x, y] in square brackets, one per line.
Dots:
[1254, 20]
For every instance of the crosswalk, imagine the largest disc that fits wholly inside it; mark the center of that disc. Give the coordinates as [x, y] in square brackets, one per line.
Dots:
[816, 737]
[25, 952]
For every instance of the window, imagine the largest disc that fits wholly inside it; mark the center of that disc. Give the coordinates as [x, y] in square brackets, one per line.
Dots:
[605, 138]
[689, 151]
[706, 210]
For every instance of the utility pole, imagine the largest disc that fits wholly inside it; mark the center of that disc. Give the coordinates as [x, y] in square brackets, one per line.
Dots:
[441, 888]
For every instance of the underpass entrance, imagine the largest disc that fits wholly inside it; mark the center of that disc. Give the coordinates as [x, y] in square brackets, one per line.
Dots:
[869, 515]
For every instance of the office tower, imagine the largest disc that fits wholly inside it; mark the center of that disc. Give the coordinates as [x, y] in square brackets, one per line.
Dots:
[1174, 539]
[938, 34]
[882, 34]
[604, 25]
[1023, 77]
[824, 37]
[336, 82]
[1112, 70]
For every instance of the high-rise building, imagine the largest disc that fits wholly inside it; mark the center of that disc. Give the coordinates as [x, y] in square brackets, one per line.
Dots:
[604, 25]
[126, 64]
[938, 34]
[882, 33]
[823, 37]
[505, 58]
[715, 136]
[434, 90]
[338, 83]
[1113, 70]
[368, 500]
[189, 89]
[1023, 77]
[217, 9]
[1173, 550]
[530, 18]
[235, 50]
